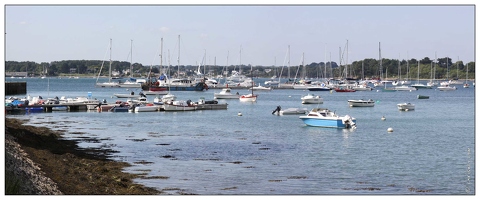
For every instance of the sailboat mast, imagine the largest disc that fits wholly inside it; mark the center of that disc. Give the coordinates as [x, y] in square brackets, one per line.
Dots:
[178, 57]
[418, 71]
[288, 67]
[110, 68]
[380, 59]
[161, 54]
[346, 65]
[325, 65]
[131, 58]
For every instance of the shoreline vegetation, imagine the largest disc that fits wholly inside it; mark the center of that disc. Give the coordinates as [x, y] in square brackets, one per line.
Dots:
[39, 161]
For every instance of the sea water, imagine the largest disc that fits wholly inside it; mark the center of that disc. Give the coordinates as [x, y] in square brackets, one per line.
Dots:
[430, 151]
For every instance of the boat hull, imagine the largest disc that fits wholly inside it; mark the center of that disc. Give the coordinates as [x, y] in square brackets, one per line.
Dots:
[293, 111]
[361, 103]
[168, 107]
[405, 106]
[422, 97]
[248, 98]
[147, 108]
[226, 96]
[328, 123]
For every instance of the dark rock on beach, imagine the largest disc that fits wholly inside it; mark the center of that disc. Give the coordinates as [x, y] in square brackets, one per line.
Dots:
[38, 161]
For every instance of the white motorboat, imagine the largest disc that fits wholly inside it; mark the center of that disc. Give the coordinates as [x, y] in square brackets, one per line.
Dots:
[226, 93]
[293, 111]
[146, 108]
[404, 88]
[301, 86]
[446, 88]
[322, 117]
[362, 87]
[311, 99]
[259, 87]
[118, 95]
[406, 106]
[361, 103]
[179, 106]
[132, 83]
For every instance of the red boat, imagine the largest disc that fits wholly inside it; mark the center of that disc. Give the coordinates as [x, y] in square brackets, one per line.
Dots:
[344, 90]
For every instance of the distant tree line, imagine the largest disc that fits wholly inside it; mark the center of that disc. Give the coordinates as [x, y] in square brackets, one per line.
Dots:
[366, 68]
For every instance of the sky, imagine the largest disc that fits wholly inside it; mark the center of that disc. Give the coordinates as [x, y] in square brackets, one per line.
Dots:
[238, 34]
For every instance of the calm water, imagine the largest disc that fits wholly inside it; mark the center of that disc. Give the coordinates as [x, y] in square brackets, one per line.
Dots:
[431, 150]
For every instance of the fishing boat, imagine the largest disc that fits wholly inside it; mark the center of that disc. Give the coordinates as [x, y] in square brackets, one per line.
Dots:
[311, 99]
[109, 83]
[422, 97]
[405, 106]
[226, 93]
[156, 91]
[361, 103]
[293, 111]
[322, 117]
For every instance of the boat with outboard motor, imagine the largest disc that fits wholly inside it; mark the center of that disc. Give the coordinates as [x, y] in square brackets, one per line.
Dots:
[322, 117]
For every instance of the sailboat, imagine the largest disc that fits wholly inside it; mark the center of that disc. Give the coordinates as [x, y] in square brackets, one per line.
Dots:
[249, 97]
[401, 87]
[132, 82]
[466, 85]
[418, 84]
[109, 83]
[445, 85]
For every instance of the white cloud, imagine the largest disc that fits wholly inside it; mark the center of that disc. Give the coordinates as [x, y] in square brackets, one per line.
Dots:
[23, 22]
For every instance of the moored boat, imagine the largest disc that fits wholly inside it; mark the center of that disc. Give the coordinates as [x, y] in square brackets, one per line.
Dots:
[311, 99]
[248, 98]
[342, 89]
[405, 106]
[226, 93]
[422, 97]
[361, 103]
[322, 117]
[446, 88]
[293, 111]
[179, 106]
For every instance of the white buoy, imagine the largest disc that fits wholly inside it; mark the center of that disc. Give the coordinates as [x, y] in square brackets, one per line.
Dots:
[383, 118]
[289, 95]
[239, 114]
[390, 129]
[377, 90]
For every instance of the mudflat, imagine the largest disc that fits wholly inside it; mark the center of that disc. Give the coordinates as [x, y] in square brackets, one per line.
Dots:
[44, 163]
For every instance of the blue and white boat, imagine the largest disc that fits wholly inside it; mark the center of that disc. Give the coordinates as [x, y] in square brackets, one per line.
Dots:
[322, 117]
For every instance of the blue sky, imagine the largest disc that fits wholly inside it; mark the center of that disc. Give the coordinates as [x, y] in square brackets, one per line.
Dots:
[44, 33]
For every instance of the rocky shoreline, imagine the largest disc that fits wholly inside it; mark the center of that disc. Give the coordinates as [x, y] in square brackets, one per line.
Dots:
[38, 161]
